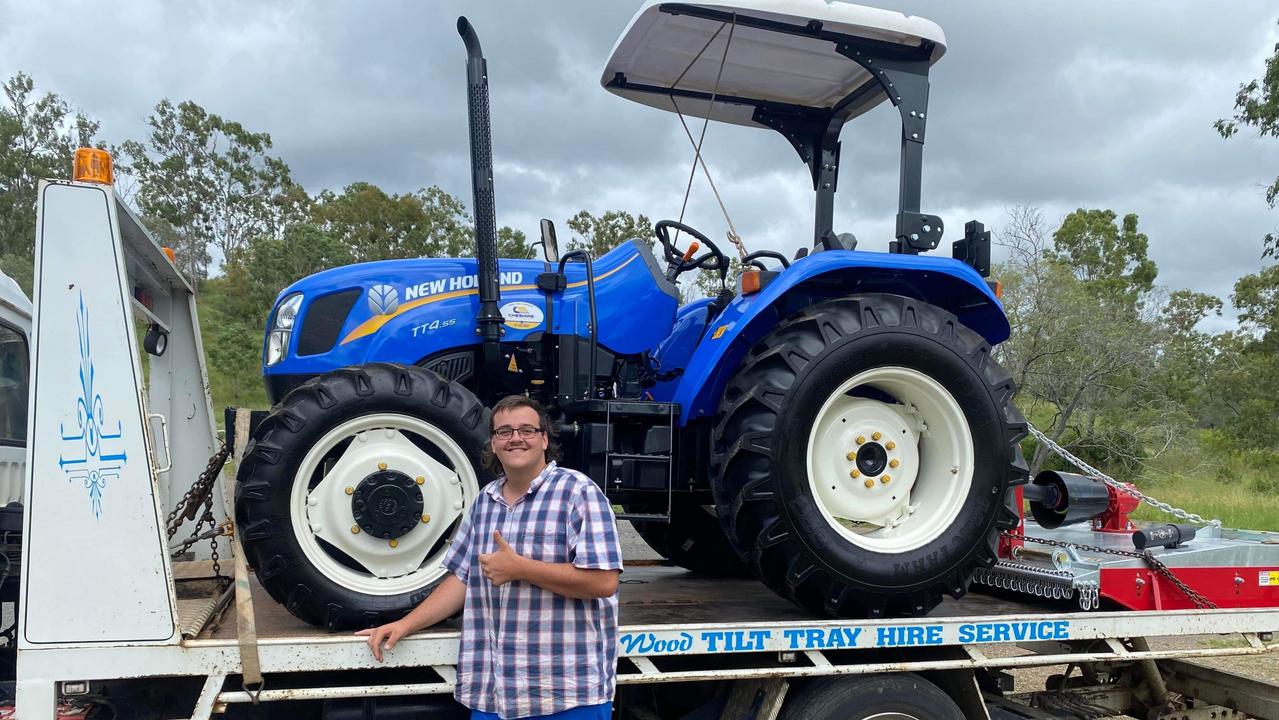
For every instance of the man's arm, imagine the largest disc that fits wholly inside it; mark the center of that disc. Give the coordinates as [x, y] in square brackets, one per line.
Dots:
[505, 565]
[443, 602]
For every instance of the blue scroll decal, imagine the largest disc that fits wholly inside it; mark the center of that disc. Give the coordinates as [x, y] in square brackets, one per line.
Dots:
[87, 456]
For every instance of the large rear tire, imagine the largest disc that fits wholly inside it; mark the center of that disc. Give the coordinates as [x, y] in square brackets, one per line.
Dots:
[693, 539]
[350, 490]
[863, 456]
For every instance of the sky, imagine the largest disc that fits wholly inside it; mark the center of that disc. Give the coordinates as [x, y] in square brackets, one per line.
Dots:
[1057, 106]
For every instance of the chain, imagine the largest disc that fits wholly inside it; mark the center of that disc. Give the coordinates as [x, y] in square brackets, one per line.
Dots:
[201, 494]
[1151, 561]
[1121, 487]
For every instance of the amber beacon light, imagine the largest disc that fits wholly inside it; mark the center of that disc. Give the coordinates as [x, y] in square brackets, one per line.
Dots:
[93, 165]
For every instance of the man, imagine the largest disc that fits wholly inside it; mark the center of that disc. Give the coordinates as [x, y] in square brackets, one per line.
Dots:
[534, 568]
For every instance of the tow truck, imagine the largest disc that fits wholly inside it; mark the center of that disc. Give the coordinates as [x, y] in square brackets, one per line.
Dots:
[114, 619]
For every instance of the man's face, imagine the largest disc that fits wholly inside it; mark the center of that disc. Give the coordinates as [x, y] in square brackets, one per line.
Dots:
[518, 451]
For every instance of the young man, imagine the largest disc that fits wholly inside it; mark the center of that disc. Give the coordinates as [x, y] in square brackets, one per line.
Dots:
[534, 569]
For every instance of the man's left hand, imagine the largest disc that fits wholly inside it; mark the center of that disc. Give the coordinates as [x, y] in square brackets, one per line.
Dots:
[504, 564]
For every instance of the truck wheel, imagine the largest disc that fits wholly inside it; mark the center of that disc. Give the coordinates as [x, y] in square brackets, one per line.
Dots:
[693, 540]
[863, 456]
[901, 696]
[350, 490]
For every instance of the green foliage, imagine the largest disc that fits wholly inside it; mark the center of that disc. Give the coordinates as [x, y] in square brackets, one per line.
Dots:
[1108, 258]
[1257, 106]
[212, 180]
[1083, 337]
[38, 139]
[598, 235]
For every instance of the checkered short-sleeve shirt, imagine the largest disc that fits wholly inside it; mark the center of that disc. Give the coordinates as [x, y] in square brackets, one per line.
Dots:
[527, 651]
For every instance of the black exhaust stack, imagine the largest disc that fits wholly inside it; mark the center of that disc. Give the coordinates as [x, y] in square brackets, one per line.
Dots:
[477, 96]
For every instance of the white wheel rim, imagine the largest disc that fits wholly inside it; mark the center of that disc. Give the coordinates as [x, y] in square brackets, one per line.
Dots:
[325, 510]
[931, 445]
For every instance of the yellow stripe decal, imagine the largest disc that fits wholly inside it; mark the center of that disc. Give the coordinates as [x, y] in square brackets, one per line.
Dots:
[373, 324]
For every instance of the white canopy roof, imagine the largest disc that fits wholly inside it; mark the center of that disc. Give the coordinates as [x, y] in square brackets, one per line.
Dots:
[657, 48]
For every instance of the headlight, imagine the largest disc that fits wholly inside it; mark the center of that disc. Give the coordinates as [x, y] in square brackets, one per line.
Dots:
[288, 312]
[277, 341]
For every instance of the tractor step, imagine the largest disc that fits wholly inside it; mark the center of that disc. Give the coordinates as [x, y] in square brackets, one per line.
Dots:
[644, 517]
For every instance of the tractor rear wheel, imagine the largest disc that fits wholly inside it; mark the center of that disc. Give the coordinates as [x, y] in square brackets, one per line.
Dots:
[351, 489]
[863, 456]
[693, 539]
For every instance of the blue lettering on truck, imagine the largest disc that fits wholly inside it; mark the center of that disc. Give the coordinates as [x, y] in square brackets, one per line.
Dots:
[1010, 631]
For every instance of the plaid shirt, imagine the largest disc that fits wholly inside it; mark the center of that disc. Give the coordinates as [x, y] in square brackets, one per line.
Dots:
[527, 651]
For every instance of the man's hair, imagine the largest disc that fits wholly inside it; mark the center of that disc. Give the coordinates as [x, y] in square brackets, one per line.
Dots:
[507, 404]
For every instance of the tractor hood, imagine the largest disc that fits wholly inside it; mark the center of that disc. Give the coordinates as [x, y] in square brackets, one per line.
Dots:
[408, 310]
[783, 53]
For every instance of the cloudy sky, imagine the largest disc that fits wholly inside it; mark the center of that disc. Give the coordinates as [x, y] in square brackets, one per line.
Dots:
[1052, 105]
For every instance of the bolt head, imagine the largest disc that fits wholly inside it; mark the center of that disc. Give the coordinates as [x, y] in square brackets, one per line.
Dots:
[381, 466]
[861, 439]
[350, 490]
[851, 456]
[885, 479]
[419, 480]
[894, 463]
[876, 435]
[890, 445]
[355, 529]
[394, 543]
[855, 473]
[426, 518]
[870, 483]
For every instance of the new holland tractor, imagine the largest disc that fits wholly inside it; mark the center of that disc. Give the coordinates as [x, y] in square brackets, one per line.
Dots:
[835, 425]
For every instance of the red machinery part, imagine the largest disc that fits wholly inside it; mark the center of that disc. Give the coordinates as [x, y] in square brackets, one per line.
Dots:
[1227, 587]
[1115, 518]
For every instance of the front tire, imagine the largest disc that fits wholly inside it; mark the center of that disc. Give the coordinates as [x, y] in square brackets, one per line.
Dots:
[351, 489]
[863, 455]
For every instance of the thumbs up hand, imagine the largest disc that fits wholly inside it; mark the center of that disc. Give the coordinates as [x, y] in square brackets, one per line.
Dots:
[502, 565]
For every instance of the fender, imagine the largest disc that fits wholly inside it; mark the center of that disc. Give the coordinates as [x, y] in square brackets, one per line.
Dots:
[944, 282]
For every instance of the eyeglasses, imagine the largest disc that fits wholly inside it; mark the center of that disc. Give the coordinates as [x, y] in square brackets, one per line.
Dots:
[526, 432]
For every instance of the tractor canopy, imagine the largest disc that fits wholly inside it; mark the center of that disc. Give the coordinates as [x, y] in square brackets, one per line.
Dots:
[782, 53]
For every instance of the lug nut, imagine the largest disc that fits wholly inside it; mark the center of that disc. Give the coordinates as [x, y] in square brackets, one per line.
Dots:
[886, 479]
[381, 466]
[855, 473]
[420, 480]
[851, 456]
[394, 543]
[870, 483]
[876, 435]
[861, 439]
[890, 445]
[355, 529]
[350, 490]
[426, 518]
[894, 463]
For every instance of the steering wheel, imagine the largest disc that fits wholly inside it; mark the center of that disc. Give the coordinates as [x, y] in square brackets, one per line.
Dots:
[712, 259]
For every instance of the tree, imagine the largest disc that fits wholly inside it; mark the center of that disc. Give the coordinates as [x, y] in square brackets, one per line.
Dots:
[1110, 259]
[1081, 360]
[598, 235]
[376, 225]
[38, 139]
[211, 179]
[1257, 106]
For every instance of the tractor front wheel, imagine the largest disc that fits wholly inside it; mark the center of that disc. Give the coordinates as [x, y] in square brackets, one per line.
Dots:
[863, 456]
[351, 489]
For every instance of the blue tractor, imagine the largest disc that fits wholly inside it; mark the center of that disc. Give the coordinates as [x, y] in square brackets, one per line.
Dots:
[835, 425]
